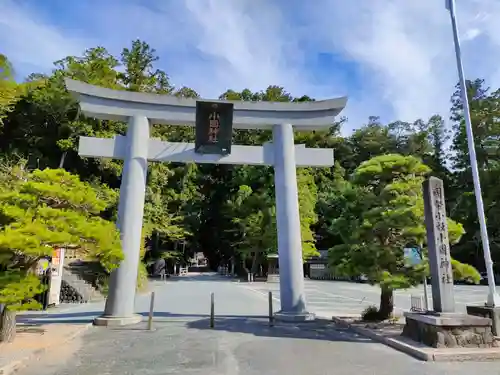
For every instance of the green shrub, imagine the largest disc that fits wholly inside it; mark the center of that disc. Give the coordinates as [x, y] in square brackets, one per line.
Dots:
[370, 314]
[18, 289]
[142, 277]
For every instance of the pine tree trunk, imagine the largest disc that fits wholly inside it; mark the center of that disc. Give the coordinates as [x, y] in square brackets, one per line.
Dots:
[7, 325]
[254, 263]
[63, 158]
[386, 303]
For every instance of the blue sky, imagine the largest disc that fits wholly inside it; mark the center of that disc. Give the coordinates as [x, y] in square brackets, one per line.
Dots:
[392, 58]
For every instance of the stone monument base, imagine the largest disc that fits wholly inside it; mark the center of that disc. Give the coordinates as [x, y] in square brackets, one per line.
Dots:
[273, 278]
[492, 313]
[452, 330]
[294, 317]
[113, 321]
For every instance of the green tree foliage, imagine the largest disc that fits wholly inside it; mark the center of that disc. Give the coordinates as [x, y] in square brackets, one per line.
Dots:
[381, 212]
[11, 91]
[253, 213]
[254, 216]
[41, 210]
[484, 104]
[308, 197]
[8, 88]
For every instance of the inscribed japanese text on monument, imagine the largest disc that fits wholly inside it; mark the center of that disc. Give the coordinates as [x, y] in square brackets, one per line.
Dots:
[438, 245]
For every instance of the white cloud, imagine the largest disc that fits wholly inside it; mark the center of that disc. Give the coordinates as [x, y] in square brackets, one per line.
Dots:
[26, 39]
[408, 47]
[403, 48]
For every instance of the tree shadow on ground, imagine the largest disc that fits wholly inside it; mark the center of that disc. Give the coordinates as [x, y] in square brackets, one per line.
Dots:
[54, 318]
[89, 316]
[317, 330]
[165, 314]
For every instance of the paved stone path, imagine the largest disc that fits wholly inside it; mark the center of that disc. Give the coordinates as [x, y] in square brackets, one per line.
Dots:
[241, 343]
[346, 298]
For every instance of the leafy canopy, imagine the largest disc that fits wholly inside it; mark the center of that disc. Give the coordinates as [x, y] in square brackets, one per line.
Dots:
[45, 209]
[381, 211]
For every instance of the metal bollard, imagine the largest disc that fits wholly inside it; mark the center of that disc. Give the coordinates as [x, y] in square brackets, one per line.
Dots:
[271, 315]
[212, 310]
[151, 311]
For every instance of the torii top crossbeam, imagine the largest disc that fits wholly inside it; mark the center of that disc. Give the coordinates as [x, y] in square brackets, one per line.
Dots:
[119, 105]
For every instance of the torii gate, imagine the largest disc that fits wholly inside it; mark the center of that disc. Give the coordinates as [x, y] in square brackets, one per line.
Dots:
[137, 148]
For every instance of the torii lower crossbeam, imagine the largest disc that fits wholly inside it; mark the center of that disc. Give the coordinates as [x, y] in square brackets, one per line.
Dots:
[179, 152]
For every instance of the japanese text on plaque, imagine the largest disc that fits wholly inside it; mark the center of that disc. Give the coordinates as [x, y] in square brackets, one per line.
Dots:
[214, 127]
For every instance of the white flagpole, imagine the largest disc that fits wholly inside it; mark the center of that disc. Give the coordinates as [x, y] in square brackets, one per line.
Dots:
[493, 297]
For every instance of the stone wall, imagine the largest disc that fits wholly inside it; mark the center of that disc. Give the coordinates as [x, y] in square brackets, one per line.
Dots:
[69, 294]
[449, 337]
[492, 313]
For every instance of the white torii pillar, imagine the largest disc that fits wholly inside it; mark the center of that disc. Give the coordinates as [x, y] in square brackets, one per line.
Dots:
[137, 148]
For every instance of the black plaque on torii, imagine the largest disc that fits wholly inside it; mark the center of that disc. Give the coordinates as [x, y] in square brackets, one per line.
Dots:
[214, 127]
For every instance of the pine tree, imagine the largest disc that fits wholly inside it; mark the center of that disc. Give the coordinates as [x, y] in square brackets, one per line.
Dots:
[379, 214]
[42, 210]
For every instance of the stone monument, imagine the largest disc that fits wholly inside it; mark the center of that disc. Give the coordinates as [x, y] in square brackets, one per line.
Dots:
[213, 126]
[443, 327]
